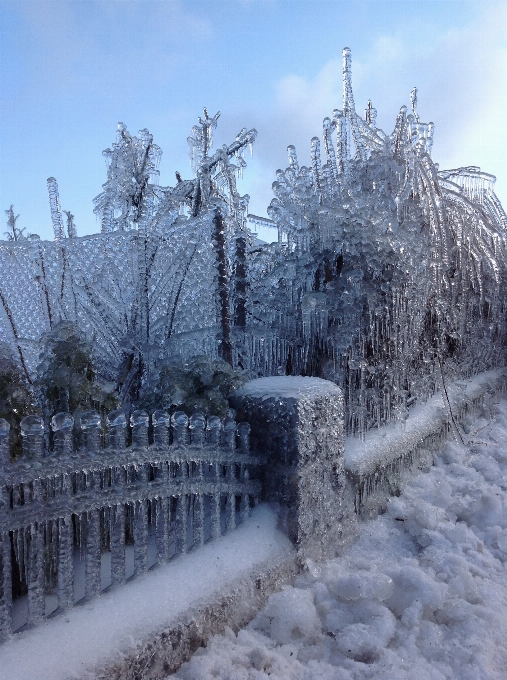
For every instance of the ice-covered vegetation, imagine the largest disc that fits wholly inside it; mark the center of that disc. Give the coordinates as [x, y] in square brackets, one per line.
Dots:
[388, 276]
[389, 273]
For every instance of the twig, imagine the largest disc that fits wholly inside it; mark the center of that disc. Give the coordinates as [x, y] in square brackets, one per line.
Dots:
[448, 401]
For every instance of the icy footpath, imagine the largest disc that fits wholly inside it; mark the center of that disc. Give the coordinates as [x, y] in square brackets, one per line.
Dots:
[422, 594]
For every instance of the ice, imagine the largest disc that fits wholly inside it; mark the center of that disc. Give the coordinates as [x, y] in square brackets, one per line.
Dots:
[375, 280]
[411, 597]
[145, 288]
[54, 203]
[388, 277]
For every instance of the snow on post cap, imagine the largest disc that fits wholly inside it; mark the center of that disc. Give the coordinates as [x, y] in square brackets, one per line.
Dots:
[213, 423]
[90, 420]
[287, 387]
[160, 419]
[139, 418]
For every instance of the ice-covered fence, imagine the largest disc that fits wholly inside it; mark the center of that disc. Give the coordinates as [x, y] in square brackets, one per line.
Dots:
[93, 506]
[378, 465]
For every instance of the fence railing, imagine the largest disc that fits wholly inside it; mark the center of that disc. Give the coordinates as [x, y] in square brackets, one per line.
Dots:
[78, 515]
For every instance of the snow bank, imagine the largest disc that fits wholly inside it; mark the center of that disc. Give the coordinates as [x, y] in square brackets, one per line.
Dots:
[111, 627]
[422, 594]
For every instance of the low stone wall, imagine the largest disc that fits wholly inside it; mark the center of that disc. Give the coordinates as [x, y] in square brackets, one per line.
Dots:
[319, 483]
[378, 466]
[235, 607]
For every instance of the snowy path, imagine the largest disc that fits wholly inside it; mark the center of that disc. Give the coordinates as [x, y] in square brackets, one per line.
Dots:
[422, 594]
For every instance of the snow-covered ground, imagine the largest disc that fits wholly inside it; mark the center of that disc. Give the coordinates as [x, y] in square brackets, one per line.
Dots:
[422, 593]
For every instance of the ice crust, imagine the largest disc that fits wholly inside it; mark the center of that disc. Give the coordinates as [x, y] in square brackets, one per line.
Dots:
[104, 629]
[422, 593]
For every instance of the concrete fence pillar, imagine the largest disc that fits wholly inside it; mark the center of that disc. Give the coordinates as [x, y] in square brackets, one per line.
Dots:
[297, 427]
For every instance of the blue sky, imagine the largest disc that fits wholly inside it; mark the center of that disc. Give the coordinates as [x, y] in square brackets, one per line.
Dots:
[71, 69]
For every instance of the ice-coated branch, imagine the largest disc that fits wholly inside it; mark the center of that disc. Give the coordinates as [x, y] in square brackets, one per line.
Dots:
[54, 204]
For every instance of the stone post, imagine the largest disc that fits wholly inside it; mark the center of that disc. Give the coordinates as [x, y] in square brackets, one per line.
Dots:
[161, 421]
[32, 432]
[297, 426]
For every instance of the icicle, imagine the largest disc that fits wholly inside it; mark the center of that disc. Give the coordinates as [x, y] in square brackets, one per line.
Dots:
[35, 573]
[182, 524]
[54, 204]
[140, 536]
[162, 529]
[198, 519]
[293, 159]
[92, 556]
[328, 127]
[230, 508]
[5, 454]
[5, 586]
[65, 563]
[117, 533]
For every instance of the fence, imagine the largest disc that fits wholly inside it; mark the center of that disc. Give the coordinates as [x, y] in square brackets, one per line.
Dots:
[80, 514]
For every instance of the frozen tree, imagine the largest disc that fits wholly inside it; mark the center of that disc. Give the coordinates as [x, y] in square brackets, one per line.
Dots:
[16, 397]
[133, 201]
[388, 274]
[67, 377]
[14, 233]
[132, 171]
[71, 225]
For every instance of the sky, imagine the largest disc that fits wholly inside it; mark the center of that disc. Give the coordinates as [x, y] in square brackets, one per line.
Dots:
[72, 69]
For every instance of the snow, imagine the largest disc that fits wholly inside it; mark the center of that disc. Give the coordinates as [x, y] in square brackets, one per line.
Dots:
[72, 645]
[287, 387]
[421, 594]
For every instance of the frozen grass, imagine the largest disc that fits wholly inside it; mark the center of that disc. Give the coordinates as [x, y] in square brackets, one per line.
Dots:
[422, 593]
